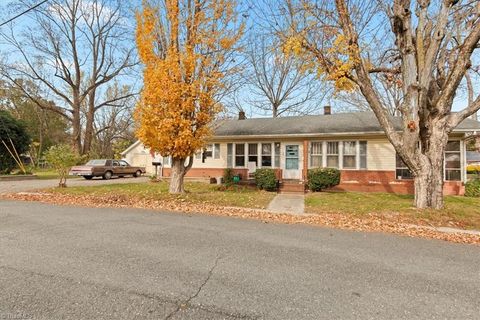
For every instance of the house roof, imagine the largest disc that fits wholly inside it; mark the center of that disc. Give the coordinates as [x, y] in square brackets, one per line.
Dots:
[473, 156]
[339, 123]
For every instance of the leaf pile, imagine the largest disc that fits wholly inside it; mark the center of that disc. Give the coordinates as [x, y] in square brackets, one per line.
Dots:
[371, 222]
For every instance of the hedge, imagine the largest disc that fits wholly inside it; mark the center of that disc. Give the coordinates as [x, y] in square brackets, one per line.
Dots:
[322, 178]
[266, 179]
[472, 188]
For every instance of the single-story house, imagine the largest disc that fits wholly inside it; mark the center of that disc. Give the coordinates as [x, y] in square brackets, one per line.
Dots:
[355, 143]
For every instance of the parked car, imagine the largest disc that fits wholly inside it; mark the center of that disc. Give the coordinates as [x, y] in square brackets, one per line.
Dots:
[106, 168]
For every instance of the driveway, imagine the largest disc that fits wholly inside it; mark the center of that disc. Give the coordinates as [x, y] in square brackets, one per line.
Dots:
[77, 263]
[29, 185]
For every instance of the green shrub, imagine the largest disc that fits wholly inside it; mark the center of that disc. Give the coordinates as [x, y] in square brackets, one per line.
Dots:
[228, 176]
[472, 188]
[266, 179]
[62, 158]
[322, 178]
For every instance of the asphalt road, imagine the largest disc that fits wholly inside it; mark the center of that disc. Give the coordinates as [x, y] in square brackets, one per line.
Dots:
[78, 263]
[29, 185]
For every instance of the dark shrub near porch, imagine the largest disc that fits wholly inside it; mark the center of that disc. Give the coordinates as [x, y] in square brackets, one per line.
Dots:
[322, 178]
[266, 179]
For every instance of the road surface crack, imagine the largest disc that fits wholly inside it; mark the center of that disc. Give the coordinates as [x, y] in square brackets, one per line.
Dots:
[186, 303]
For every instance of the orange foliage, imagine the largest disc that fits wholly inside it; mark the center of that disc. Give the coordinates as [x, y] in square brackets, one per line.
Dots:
[182, 45]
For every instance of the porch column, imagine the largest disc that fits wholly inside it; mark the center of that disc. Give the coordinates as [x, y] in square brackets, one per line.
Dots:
[305, 160]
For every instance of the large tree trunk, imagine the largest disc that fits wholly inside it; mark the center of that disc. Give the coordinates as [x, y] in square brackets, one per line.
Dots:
[429, 173]
[90, 119]
[179, 170]
[429, 187]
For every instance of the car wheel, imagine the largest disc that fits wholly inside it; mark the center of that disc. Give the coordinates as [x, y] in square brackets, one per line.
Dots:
[137, 174]
[88, 177]
[107, 175]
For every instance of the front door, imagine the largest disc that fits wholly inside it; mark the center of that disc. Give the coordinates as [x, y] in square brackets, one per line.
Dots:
[292, 162]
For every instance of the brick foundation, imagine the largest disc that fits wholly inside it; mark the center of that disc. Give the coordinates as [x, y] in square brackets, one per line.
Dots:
[384, 181]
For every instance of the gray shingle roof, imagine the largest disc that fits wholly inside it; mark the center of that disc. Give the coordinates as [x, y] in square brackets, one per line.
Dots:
[339, 123]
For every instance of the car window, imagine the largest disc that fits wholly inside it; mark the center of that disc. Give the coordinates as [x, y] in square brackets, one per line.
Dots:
[96, 162]
[115, 163]
[124, 163]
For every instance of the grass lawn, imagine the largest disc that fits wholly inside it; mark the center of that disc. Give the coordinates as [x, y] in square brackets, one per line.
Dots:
[459, 211]
[45, 174]
[197, 192]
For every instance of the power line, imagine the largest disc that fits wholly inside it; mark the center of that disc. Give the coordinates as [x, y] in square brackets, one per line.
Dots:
[22, 13]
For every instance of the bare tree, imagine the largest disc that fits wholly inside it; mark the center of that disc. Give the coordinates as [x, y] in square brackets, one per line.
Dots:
[280, 84]
[428, 57]
[72, 49]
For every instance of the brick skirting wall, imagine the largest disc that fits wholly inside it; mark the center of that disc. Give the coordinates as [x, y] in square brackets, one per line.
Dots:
[351, 180]
[384, 181]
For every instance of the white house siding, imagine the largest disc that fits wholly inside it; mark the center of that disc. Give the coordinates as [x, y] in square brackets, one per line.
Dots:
[380, 155]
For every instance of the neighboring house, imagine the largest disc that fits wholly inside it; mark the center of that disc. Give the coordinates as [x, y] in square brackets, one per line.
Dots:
[352, 142]
[473, 157]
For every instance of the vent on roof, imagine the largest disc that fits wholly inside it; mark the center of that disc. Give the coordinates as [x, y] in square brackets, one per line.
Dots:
[241, 115]
[327, 110]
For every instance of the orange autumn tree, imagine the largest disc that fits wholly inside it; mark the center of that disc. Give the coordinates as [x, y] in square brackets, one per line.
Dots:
[184, 46]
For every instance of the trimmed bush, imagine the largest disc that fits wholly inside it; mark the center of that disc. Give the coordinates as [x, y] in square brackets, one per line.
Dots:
[228, 176]
[322, 178]
[266, 179]
[472, 188]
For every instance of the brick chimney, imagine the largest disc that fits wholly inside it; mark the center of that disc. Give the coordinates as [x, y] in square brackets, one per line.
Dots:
[241, 115]
[327, 110]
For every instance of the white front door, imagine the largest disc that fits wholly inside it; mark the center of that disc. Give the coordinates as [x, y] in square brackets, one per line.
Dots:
[292, 162]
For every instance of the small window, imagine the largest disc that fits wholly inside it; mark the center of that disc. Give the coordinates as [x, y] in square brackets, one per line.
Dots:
[266, 154]
[167, 161]
[198, 155]
[124, 163]
[277, 154]
[402, 171]
[229, 155]
[115, 163]
[216, 153]
[363, 154]
[349, 154]
[253, 153]
[316, 154]
[239, 155]
[332, 154]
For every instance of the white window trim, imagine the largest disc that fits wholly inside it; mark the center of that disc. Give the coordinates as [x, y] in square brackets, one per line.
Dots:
[340, 153]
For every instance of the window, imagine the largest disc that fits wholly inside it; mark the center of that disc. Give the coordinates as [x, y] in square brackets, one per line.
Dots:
[291, 157]
[332, 154]
[316, 154]
[266, 154]
[239, 155]
[453, 167]
[216, 153]
[198, 155]
[253, 153]
[229, 155]
[363, 154]
[124, 163]
[350, 154]
[208, 151]
[277, 154]
[115, 163]
[166, 161]
[402, 171]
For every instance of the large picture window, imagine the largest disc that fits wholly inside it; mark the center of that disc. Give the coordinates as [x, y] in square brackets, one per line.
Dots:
[453, 166]
[239, 155]
[349, 154]
[332, 154]
[316, 154]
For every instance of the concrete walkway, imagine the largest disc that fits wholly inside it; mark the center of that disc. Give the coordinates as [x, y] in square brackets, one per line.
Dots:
[288, 203]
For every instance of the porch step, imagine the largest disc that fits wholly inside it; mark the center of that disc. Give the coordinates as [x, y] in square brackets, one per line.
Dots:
[292, 186]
